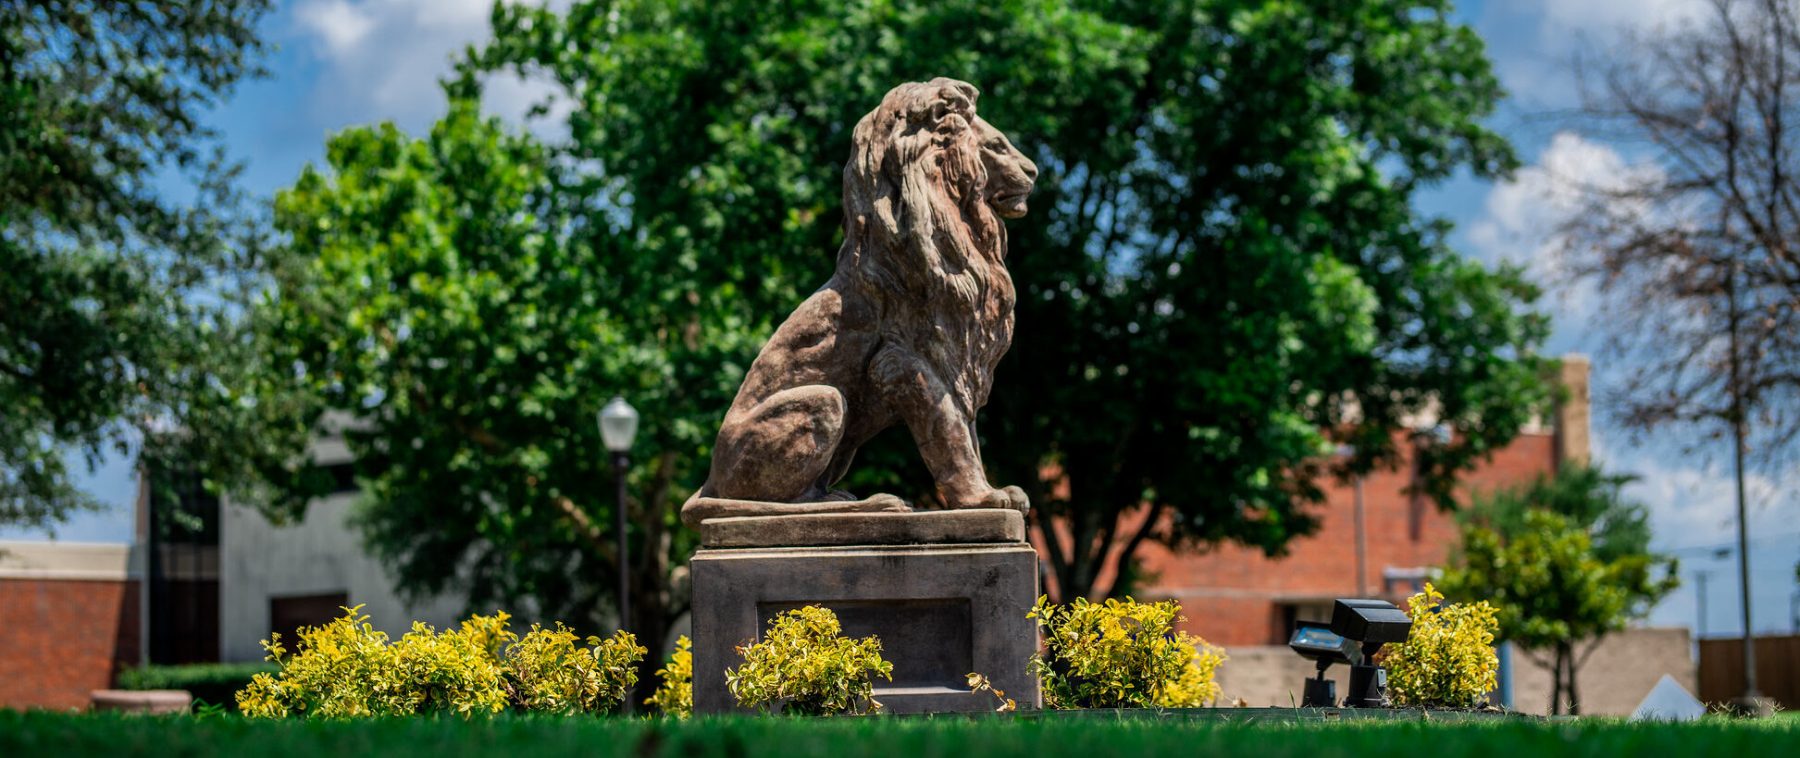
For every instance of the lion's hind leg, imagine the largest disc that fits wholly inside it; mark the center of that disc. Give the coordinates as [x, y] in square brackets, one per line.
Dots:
[780, 450]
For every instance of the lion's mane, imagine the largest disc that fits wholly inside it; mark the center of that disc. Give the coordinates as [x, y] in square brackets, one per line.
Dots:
[919, 236]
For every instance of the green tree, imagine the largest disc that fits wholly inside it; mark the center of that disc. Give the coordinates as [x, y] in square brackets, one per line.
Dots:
[1223, 269]
[1566, 560]
[118, 238]
[430, 293]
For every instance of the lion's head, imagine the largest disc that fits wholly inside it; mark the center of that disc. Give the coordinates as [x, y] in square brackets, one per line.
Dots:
[925, 188]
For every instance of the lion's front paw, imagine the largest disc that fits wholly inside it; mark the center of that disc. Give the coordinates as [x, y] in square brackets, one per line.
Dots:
[1007, 498]
[885, 503]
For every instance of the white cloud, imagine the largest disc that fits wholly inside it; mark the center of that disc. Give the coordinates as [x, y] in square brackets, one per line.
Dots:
[339, 26]
[1694, 503]
[1564, 18]
[1532, 42]
[1522, 219]
[382, 59]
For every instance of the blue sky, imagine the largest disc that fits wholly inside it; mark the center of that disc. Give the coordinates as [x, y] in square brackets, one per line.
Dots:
[341, 62]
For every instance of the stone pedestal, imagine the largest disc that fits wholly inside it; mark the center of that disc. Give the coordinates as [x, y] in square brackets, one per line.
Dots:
[942, 609]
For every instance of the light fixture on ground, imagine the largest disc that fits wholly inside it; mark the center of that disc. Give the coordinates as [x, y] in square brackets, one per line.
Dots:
[618, 426]
[1357, 631]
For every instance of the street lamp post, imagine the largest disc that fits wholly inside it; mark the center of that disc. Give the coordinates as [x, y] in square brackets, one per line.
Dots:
[618, 425]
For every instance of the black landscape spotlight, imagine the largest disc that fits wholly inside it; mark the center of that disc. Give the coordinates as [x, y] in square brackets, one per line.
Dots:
[1358, 630]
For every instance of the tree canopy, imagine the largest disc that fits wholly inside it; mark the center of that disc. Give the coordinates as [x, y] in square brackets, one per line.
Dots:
[1222, 271]
[118, 230]
[1692, 250]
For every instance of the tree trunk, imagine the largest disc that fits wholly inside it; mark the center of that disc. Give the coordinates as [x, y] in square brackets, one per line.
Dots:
[1556, 679]
[1574, 696]
[650, 621]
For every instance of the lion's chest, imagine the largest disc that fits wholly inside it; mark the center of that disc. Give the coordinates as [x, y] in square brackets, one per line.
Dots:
[986, 340]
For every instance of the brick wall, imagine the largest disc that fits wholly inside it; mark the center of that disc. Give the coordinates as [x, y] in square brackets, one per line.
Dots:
[61, 638]
[1233, 595]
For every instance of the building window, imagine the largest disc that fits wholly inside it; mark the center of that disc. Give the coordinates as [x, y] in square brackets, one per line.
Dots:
[183, 546]
[343, 478]
[287, 615]
[1403, 582]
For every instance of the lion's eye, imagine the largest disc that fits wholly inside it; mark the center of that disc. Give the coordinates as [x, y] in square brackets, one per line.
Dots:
[996, 145]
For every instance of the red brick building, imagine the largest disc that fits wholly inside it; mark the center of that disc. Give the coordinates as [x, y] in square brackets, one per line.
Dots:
[1236, 596]
[68, 621]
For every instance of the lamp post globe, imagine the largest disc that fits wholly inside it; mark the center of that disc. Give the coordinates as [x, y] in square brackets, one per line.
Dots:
[618, 426]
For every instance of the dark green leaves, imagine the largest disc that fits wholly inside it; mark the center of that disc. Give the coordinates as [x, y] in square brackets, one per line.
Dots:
[110, 289]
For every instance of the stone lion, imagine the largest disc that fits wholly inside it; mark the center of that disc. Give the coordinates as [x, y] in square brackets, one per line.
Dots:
[907, 330]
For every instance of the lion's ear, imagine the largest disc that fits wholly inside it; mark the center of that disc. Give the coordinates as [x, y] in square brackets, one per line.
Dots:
[953, 101]
[952, 112]
[963, 92]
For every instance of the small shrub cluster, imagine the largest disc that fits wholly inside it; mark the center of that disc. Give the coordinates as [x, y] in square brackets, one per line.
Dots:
[348, 668]
[209, 683]
[1122, 654]
[547, 672]
[1448, 659]
[805, 666]
[675, 696]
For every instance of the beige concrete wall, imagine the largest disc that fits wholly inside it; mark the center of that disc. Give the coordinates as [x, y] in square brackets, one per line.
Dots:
[1616, 678]
[1269, 675]
[321, 553]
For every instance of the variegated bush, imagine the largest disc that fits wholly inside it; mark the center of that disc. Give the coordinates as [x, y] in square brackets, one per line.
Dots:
[1448, 659]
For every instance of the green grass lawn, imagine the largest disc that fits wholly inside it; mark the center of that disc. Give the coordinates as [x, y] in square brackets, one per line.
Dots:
[63, 735]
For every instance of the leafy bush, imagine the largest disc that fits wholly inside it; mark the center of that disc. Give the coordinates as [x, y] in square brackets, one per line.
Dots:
[1448, 659]
[348, 668]
[211, 683]
[548, 673]
[804, 665]
[1197, 687]
[1122, 654]
[675, 696]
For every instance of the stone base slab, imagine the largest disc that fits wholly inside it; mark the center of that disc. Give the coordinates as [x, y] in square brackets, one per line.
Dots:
[941, 612]
[977, 525]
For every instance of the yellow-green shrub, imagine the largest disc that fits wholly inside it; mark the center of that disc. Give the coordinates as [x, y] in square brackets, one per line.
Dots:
[455, 670]
[804, 665]
[675, 696]
[547, 672]
[1448, 659]
[1196, 688]
[343, 668]
[1122, 654]
[348, 668]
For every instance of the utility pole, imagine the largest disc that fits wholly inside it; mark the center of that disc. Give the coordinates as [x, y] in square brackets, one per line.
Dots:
[1700, 578]
[1751, 699]
[1362, 544]
[1347, 453]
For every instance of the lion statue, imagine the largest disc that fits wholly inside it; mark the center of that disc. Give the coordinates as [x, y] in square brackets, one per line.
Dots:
[908, 329]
